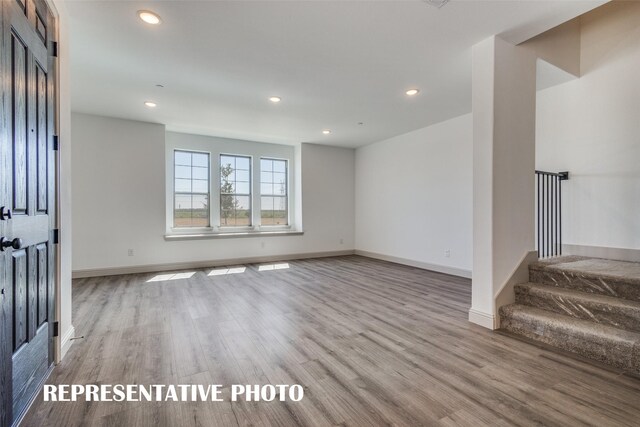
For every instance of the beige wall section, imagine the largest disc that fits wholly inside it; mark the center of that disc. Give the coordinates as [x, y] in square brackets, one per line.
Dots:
[503, 98]
[560, 46]
[119, 202]
[610, 34]
[591, 127]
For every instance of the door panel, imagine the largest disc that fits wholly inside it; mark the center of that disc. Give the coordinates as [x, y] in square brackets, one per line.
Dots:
[19, 107]
[20, 274]
[30, 365]
[43, 276]
[41, 135]
[27, 186]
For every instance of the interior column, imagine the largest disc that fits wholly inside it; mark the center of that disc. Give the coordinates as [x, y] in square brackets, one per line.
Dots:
[503, 101]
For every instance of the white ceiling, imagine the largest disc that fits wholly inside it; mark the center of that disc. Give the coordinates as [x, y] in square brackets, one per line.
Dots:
[334, 63]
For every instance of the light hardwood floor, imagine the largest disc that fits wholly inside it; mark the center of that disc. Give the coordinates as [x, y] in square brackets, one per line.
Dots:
[373, 343]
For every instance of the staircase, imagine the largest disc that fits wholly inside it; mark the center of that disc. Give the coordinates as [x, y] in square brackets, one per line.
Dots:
[586, 306]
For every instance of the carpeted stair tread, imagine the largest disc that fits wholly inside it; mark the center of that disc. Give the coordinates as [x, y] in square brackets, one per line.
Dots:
[607, 310]
[607, 344]
[594, 275]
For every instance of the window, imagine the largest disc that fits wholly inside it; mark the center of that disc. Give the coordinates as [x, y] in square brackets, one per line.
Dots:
[235, 191]
[190, 189]
[274, 192]
[218, 188]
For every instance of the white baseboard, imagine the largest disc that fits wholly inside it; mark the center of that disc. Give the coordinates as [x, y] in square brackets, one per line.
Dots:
[424, 265]
[621, 254]
[67, 342]
[483, 319]
[153, 268]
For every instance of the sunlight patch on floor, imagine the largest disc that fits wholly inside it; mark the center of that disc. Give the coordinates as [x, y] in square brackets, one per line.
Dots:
[225, 271]
[171, 276]
[270, 267]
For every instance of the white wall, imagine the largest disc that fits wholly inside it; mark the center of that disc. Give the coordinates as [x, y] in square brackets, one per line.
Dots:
[119, 201]
[591, 127]
[414, 197]
[63, 291]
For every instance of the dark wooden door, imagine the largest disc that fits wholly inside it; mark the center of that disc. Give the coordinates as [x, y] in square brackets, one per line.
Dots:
[27, 201]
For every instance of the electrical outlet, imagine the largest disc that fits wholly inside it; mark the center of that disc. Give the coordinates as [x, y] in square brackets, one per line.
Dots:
[342, 241]
[262, 245]
[447, 253]
[130, 252]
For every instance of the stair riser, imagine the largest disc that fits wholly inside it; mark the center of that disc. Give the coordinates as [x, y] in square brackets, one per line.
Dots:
[624, 356]
[580, 282]
[628, 319]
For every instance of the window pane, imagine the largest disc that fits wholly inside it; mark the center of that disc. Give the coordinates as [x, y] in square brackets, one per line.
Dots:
[235, 191]
[228, 161]
[235, 211]
[242, 188]
[266, 165]
[183, 186]
[273, 191]
[182, 158]
[266, 203]
[200, 210]
[227, 188]
[191, 176]
[183, 202]
[226, 209]
[199, 201]
[279, 178]
[200, 186]
[280, 203]
[182, 211]
[279, 166]
[280, 189]
[242, 163]
[200, 173]
[243, 203]
[242, 175]
[266, 189]
[183, 172]
[201, 160]
[266, 177]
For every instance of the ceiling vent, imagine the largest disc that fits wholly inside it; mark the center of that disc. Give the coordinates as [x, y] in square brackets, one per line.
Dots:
[436, 3]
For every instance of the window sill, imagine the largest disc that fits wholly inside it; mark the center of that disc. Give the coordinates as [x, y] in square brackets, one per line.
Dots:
[231, 235]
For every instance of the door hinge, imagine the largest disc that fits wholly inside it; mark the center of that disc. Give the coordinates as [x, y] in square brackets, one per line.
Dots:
[54, 49]
[56, 143]
[56, 329]
[56, 236]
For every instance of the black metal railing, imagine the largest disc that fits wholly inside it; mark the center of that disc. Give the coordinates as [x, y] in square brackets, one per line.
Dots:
[549, 212]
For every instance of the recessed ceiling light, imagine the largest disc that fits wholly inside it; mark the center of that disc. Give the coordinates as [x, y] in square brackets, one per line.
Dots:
[275, 99]
[412, 92]
[151, 104]
[326, 131]
[149, 17]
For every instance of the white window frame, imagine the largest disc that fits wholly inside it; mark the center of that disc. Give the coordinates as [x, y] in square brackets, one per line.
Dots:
[236, 228]
[216, 147]
[288, 186]
[173, 190]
